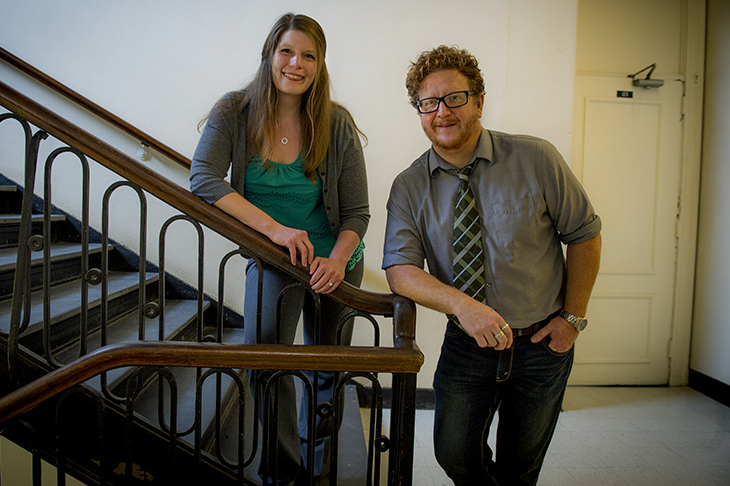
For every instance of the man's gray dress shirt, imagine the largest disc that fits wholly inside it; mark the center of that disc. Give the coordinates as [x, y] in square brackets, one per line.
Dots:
[529, 203]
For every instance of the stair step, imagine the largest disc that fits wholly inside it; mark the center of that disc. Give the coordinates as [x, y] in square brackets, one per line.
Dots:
[179, 314]
[65, 264]
[66, 299]
[11, 199]
[35, 218]
[59, 252]
[352, 448]
[10, 226]
[186, 381]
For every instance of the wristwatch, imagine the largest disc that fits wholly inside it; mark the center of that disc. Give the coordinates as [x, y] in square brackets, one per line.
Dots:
[579, 323]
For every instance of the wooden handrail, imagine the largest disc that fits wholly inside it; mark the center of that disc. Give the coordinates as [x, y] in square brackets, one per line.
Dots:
[207, 355]
[94, 108]
[182, 199]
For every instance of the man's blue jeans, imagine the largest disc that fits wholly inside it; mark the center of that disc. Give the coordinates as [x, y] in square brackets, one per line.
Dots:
[525, 382]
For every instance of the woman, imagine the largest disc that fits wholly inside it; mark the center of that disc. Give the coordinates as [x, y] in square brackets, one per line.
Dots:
[297, 176]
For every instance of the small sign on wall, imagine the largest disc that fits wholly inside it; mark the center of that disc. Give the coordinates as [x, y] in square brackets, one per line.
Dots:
[625, 94]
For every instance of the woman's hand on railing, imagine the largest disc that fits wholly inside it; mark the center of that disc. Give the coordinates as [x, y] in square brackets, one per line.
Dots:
[327, 274]
[296, 241]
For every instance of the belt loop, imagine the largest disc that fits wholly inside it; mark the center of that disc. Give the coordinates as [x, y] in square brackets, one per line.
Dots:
[530, 330]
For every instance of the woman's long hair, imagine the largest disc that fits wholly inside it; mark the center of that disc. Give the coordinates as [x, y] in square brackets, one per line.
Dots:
[258, 100]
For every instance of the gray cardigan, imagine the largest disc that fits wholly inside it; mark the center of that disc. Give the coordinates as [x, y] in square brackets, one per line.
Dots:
[344, 180]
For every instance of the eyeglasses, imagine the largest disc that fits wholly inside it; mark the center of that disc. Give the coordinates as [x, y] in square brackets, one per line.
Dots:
[451, 100]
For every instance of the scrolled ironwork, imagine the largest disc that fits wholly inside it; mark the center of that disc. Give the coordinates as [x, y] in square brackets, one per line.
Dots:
[200, 261]
[241, 462]
[152, 309]
[141, 290]
[383, 443]
[36, 243]
[47, 212]
[375, 422]
[21, 304]
[325, 409]
[133, 389]
[94, 276]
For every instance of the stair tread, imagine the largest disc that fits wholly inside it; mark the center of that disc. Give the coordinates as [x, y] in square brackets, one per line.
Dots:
[36, 218]
[178, 314]
[352, 447]
[66, 299]
[59, 251]
[186, 380]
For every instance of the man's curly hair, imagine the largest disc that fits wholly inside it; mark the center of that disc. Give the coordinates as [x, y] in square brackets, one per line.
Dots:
[440, 59]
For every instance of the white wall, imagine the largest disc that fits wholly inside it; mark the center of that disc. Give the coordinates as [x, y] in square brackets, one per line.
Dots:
[161, 65]
[711, 324]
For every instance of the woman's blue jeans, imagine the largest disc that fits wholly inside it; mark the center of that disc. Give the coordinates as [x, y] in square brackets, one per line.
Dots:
[288, 451]
[526, 383]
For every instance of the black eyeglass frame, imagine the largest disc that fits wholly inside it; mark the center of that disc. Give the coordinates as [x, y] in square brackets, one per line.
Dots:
[442, 99]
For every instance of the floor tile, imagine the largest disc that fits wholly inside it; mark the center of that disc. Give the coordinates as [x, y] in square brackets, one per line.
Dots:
[556, 476]
[642, 476]
[597, 476]
[693, 476]
[620, 457]
[639, 436]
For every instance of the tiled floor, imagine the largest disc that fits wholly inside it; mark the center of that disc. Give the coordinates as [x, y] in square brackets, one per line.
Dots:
[620, 436]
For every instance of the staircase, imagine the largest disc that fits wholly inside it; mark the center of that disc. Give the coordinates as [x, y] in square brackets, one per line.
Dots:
[124, 324]
[117, 372]
[67, 318]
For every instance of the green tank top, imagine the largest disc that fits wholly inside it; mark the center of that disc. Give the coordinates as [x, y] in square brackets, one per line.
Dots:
[283, 192]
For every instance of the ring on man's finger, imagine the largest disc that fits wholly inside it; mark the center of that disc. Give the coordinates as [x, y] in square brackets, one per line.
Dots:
[499, 335]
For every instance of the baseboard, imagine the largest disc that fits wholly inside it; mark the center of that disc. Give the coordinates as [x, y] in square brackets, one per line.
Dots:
[709, 386]
[424, 398]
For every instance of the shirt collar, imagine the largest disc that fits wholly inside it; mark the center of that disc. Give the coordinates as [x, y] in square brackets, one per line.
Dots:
[483, 151]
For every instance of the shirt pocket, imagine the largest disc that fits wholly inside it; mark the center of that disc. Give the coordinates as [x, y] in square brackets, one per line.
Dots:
[512, 223]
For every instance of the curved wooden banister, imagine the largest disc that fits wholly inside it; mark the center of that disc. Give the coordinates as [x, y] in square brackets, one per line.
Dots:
[207, 355]
[94, 108]
[182, 199]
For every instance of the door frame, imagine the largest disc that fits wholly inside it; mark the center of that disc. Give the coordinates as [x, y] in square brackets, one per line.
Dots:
[693, 67]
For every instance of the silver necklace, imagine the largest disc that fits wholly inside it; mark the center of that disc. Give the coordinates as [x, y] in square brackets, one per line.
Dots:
[284, 140]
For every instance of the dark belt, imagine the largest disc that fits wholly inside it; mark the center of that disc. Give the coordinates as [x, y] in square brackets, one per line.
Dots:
[530, 330]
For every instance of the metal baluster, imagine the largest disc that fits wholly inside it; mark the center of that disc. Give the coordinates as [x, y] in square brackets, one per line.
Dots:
[20, 306]
[48, 246]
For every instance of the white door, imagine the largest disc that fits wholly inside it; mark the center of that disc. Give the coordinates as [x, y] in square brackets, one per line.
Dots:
[627, 153]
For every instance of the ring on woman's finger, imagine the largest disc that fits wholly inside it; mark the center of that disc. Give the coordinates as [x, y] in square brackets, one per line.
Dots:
[330, 284]
[499, 335]
[504, 327]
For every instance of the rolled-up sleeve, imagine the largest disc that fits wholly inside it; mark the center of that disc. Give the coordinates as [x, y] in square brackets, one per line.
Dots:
[567, 202]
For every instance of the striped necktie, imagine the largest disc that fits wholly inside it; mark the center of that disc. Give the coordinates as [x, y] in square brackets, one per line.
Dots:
[468, 253]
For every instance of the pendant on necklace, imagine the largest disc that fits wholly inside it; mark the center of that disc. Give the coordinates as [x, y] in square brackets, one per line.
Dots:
[284, 140]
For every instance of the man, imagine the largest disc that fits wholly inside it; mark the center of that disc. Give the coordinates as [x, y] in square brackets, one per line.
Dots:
[515, 316]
